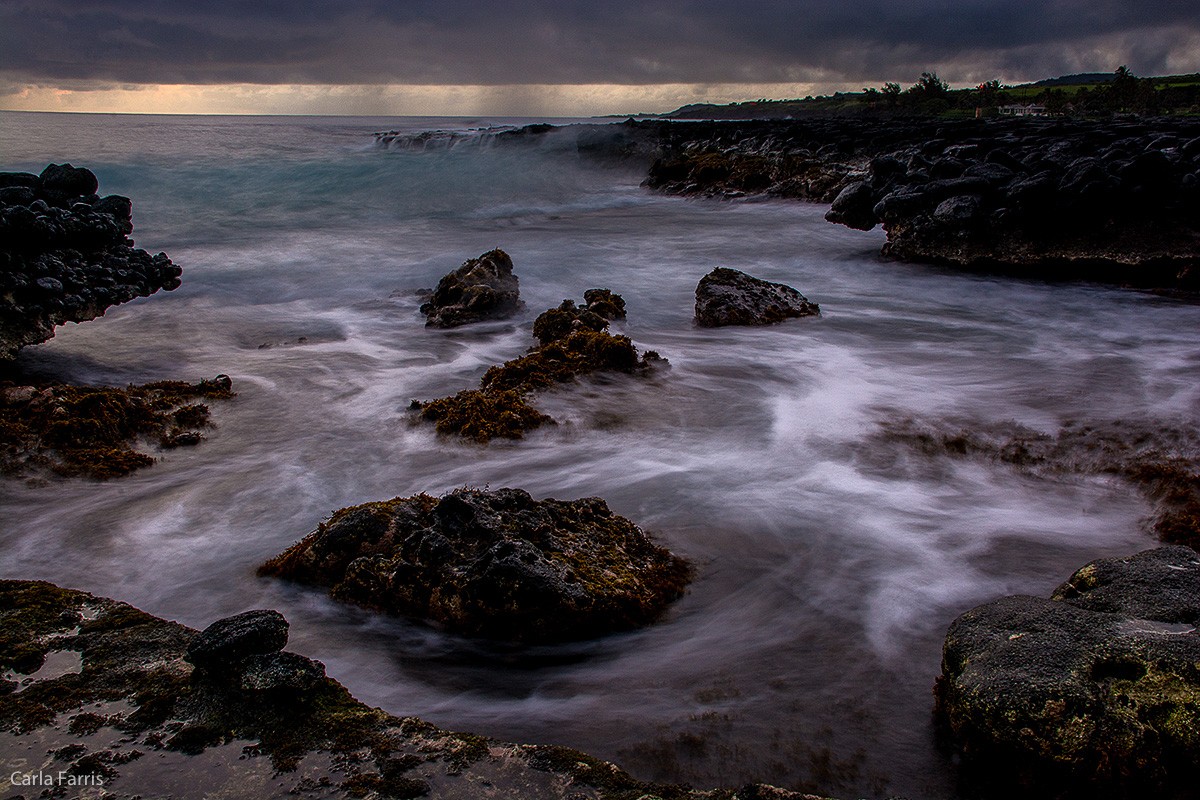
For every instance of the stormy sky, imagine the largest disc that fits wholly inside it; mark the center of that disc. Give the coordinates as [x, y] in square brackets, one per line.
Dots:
[559, 56]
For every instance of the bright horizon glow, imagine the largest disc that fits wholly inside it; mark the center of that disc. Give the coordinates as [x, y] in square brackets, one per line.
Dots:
[526, 100]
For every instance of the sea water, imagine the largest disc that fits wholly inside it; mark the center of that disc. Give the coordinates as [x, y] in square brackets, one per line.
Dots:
[829, 560]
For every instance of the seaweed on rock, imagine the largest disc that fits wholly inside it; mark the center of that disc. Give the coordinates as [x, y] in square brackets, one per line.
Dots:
[574, 342]
[91, 431]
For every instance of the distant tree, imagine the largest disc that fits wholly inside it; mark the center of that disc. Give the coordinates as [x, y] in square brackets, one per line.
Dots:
[1123, 90]
[1055, 100]
[929, 87]
[891, 93]
[988, 94]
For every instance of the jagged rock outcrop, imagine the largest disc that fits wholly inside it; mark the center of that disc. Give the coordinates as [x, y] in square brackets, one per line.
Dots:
[730, 297]
[1099, 683]
[496, 564]
[65, 255]
[482, 288]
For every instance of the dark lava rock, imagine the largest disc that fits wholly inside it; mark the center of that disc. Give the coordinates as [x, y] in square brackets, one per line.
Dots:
[729, 297]
[1102, 681]
[65, 255]
[281, 671]
[482, 288]
[228, 641]
[495, 564]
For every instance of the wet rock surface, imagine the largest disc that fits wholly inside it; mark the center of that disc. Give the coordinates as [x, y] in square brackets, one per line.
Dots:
[495, 564]
[574, 342]
[1098, 683]
[730, 297]
[135, 714]
[65, 255]
[481, 289]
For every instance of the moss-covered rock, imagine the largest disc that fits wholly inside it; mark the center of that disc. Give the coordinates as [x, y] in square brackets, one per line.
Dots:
[496, 564]
[574, 342]
[482, 288]
[91, 431]
[1099, 683]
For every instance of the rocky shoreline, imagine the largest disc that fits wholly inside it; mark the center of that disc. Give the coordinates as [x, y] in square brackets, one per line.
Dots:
[1115, 201]
[92, 686]
[98, 694]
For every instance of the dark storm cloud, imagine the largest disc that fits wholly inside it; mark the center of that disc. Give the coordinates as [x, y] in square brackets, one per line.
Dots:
[573, 41]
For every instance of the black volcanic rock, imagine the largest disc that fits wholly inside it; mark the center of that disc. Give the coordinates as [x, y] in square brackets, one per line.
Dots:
[231, 640]
[482, 288]
[65, 255]
[730, 297]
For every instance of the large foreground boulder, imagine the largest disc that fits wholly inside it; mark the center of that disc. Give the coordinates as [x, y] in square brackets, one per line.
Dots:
[1099, 683]
[65, 255]
[496, 564]
[729, 297]
[482, 288]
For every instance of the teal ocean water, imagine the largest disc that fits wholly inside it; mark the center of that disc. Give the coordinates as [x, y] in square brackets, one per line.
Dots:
[829, 564]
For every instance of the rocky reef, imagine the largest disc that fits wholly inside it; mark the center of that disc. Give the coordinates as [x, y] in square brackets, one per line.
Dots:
[66, 256]
[574, 342]
[91, 431]
[1160, 459]
[482, 288]
[1096, 689]
[495, 564]
[98, 696]
[730, 297]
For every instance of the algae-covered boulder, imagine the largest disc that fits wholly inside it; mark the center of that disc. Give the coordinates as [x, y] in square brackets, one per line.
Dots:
[482, 288]
[730, 297]
[495, 564]
[1100, 682]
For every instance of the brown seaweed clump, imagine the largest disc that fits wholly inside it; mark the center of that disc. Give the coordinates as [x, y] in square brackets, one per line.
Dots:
[495, 564]
[574, 342]
[92, 431]
[1161, 461]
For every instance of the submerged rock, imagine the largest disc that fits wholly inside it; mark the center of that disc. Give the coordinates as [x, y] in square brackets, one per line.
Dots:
[482, 288]
[1099, 682]
[65, 255]
[729, 297]
[495, 564]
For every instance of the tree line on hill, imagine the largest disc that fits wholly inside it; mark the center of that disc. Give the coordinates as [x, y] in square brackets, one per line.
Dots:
[1122, 93]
